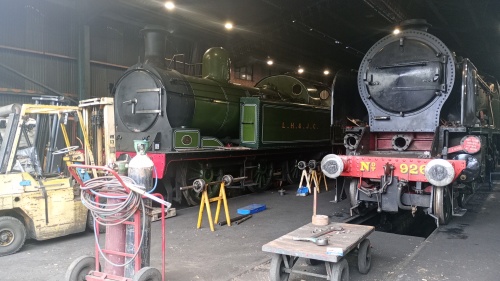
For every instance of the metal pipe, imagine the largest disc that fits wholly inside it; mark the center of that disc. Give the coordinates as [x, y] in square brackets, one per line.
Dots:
[52, 143]
[446, 144]
[211, 183]
[221, 223]
[400, 192]
[332, 95]
[40, 53]
[36, 82]
[11, 108]
[242, 219]
[58, 56]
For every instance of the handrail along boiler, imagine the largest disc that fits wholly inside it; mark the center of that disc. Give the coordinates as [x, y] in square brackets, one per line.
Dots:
[432, 130]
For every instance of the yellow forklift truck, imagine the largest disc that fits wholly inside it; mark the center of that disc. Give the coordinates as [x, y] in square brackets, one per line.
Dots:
[38, 199]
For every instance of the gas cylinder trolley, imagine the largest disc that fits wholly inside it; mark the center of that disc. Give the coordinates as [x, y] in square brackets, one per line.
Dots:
[117, 203]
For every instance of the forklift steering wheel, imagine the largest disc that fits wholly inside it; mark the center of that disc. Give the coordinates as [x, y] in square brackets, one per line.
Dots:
[65, 150]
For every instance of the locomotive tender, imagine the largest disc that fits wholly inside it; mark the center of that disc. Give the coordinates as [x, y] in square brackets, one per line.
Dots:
[207, 127]
[433, 128]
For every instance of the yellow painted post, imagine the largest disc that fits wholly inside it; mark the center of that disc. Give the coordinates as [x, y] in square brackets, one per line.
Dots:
[322, 176]
[219, 199]
[205, 203]
[226, 208]
[200, 213]
[217, 210]
[209, 211]
[314, 179]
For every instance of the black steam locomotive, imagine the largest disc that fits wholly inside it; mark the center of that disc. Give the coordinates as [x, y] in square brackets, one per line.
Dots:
[207, 127]
[433, 128]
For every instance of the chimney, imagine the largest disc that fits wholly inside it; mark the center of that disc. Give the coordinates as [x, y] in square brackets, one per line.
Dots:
[154, 45]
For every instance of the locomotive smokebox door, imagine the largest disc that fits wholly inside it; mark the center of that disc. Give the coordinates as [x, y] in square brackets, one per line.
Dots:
[138, 99]
[404, 77]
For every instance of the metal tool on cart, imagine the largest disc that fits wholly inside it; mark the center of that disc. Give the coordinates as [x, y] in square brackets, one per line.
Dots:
[286, 251]
[317, 239]
[200, 185]
[124, 206]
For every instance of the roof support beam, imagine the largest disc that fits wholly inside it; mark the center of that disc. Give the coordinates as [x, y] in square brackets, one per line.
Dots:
[388, 9]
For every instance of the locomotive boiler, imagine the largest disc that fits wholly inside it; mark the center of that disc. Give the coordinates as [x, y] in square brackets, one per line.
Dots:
[205, 127]
[433, 128]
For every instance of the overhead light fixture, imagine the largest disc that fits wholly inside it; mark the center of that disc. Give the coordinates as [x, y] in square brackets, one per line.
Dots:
[228, 25]
[269, 61]
[300, 70]
[169, 5]
[396, 31]
[326, 72]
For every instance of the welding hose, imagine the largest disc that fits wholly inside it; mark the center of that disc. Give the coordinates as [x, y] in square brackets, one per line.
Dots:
[156, 180]
[113, 214]
[110, 187]
[150, 191]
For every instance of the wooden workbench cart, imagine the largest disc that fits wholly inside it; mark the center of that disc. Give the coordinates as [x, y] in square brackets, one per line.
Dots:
[343, 239]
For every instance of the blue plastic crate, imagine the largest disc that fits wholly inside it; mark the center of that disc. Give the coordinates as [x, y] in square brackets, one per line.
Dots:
[251, 209]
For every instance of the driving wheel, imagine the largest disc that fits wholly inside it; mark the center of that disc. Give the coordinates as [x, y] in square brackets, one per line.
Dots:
[442, 204]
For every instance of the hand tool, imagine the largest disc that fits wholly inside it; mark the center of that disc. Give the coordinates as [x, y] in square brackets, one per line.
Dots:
[317, 241]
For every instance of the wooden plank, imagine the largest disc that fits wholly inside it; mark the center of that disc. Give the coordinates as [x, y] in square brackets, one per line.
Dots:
[343, 241]
[156, 214]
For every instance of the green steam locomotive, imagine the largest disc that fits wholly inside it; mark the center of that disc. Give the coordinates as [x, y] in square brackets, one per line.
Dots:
[207, 127]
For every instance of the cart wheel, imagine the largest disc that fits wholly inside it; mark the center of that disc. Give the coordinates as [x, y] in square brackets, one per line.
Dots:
[147, 274]
[312, 262]
[340, 271]
[364, 257]
[79, 268]
[12, 235]
[278, 269]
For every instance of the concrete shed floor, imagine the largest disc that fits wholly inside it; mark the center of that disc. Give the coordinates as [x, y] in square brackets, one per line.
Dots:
[234, 253]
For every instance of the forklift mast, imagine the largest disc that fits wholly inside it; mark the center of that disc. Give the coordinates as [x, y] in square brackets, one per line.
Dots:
[50, 135]
[10, 118]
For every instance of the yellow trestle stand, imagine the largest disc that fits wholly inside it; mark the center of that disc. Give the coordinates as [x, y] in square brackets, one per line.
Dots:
[305, 176]
[316, 177]
[205, 203]
[200, 186]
